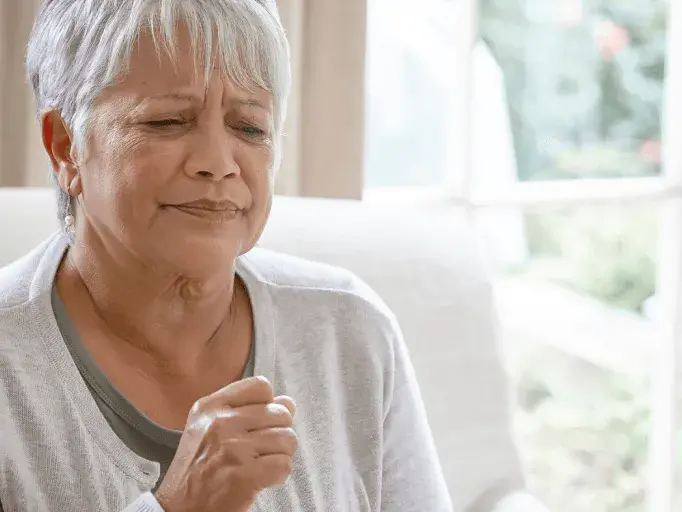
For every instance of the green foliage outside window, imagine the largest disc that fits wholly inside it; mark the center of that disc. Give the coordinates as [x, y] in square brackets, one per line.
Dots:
[585, 90]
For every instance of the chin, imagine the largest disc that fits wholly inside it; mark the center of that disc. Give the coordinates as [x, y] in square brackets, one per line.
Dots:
[201, 257]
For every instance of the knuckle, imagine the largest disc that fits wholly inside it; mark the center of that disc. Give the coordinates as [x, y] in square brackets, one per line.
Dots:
[198, 407]
[294, 439]
[291, 441]
[221, 424]
[261, 387]
[212, 433]
[261, 383]
[211, 426]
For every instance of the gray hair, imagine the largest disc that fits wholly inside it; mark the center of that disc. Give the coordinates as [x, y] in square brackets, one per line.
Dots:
[78, 48]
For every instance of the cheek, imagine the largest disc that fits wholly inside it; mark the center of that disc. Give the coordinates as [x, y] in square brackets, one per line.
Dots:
[262, 190]
[128, 174]
[256, 164]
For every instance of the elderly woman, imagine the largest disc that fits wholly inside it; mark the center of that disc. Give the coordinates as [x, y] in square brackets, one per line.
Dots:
[150, 356]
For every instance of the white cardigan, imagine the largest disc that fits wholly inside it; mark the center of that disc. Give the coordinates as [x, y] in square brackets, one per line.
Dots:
[322, 337]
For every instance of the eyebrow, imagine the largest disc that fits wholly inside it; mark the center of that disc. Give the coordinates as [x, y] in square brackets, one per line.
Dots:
[192, 98]
[251, 103]
[177, 96]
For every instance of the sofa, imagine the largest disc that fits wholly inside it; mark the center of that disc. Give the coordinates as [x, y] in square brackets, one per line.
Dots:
[424, 260]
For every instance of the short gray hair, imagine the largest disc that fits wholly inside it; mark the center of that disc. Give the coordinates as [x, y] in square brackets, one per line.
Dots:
[78, 48]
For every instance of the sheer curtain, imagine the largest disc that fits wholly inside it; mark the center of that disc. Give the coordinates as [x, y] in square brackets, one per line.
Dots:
[324, 148]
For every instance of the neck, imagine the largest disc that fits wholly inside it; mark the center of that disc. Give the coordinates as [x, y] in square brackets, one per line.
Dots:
[162, 312]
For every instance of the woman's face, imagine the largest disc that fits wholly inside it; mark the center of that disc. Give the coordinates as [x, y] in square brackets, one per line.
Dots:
[178, 172]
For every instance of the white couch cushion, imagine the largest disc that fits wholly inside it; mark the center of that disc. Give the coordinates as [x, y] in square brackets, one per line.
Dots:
[29, 216]
[424, 262]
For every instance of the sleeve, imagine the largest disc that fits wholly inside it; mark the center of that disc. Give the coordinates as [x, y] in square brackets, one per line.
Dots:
[145, 503]
[413, 480]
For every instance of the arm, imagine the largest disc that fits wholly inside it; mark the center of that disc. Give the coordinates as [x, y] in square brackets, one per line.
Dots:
[412, 477]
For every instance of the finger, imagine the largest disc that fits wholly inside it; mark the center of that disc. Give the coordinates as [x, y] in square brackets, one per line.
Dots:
[254, 390]
[287, 402]
[259, 416]
[271, 470]
[274, 441]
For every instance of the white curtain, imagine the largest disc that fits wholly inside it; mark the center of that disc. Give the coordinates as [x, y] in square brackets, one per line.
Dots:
[325, 147]
[325, 130]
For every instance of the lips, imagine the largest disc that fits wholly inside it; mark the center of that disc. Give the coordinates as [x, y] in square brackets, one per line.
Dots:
[208, 210]
[210, 204]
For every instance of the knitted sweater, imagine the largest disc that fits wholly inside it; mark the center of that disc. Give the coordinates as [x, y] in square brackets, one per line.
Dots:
[322, 337]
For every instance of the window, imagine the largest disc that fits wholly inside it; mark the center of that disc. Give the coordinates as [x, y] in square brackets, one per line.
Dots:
[547, 117]
[410, 101]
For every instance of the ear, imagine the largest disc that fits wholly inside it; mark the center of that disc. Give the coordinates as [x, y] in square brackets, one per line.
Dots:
[58, 143]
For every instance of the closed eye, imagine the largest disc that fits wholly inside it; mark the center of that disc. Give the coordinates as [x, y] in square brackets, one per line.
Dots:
[253, 132]
[165, 123]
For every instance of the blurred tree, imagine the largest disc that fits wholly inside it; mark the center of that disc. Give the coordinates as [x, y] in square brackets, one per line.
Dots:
[580, 74]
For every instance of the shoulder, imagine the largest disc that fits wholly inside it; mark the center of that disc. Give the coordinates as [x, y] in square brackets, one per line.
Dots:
[327, 293]
[299, 276]
[279, 269]
[17, 278]
[330, 319]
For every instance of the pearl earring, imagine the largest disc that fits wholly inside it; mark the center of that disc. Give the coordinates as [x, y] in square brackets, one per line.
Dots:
[69, 220]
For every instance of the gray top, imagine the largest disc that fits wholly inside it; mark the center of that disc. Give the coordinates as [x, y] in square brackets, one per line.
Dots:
[142, 435]
[322, 337]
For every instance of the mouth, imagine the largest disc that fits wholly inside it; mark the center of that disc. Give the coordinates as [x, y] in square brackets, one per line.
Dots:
[208, 212]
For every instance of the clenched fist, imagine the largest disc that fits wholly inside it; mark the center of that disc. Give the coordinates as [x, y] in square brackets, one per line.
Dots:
[237, 442]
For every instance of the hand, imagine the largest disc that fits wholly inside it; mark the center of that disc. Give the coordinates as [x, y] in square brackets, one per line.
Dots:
[237, 442]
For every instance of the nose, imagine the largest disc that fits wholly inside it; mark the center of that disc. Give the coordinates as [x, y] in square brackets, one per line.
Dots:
[215, 151]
